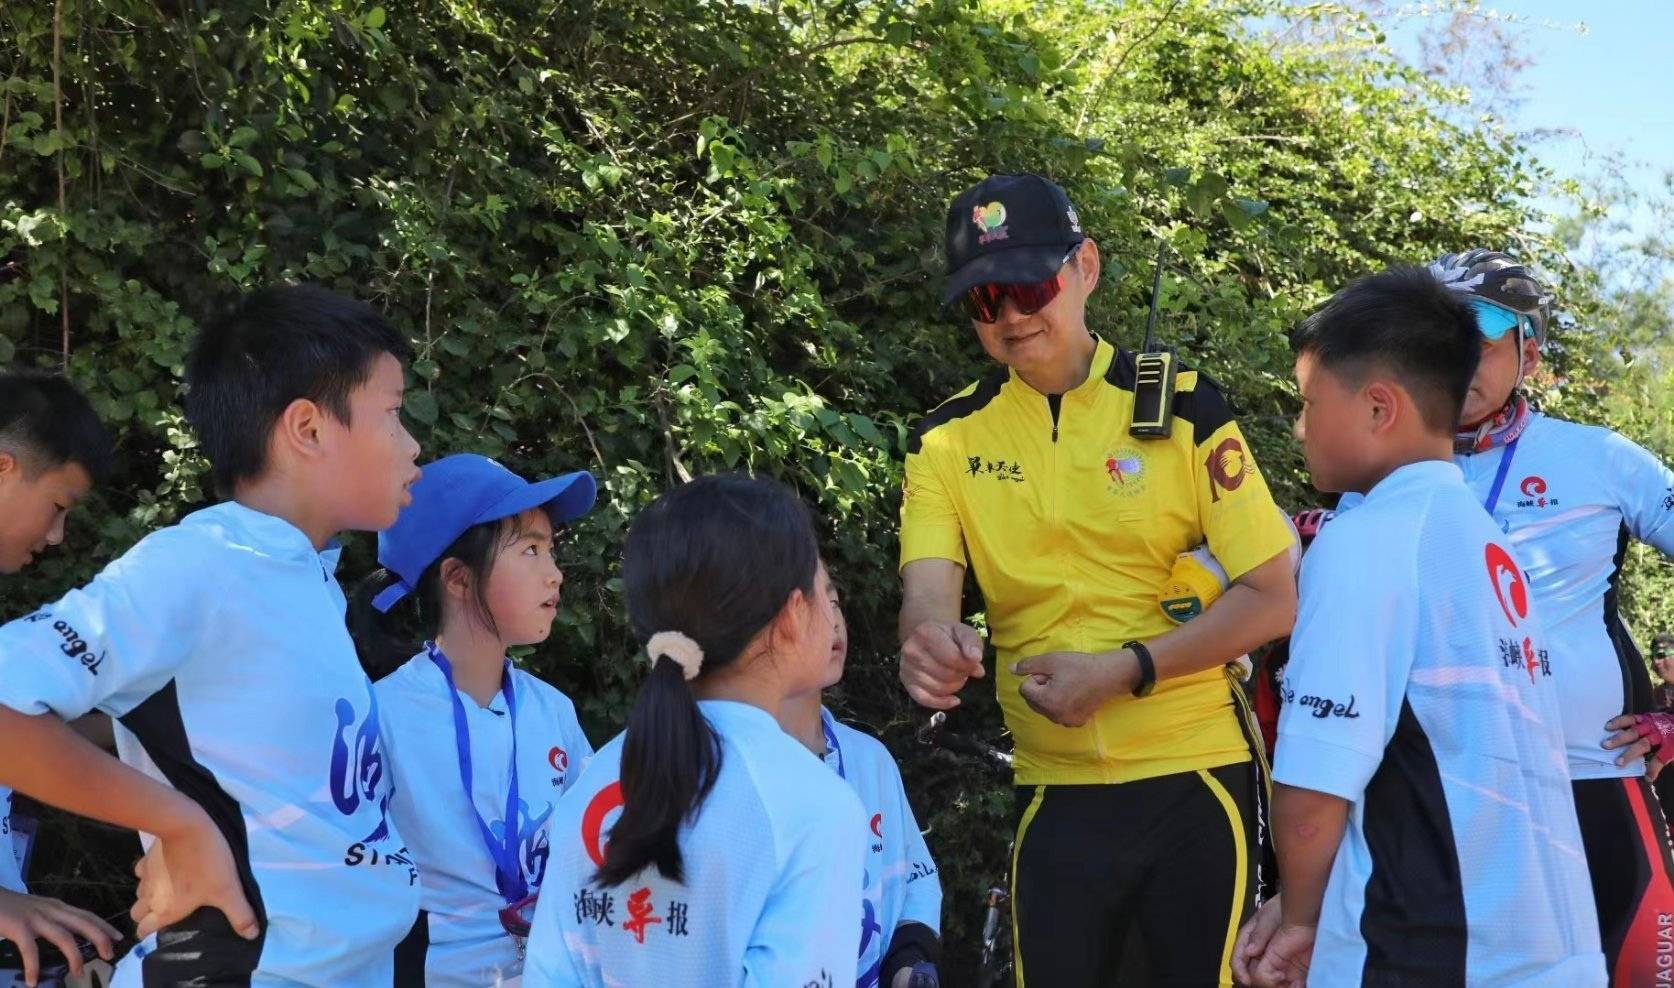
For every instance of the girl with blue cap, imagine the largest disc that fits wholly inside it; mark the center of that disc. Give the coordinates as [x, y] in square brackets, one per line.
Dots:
[480, 750]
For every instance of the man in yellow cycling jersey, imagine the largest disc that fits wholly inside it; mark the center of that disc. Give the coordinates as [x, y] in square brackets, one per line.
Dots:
[1138, 797]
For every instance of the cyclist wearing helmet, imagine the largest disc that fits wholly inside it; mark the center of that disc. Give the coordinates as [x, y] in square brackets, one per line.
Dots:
[1569, 496]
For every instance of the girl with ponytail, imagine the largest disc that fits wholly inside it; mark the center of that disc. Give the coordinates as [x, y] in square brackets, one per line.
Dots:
[704, 846]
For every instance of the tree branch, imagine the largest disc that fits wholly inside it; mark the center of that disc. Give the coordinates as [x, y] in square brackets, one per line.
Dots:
[63, 196]
[749, 78]
[5, 124]
[671, 454]
[1098, 91]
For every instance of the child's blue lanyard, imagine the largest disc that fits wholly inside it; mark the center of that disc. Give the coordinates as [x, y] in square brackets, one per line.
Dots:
[831, 744]
[1499, 477]
[508, 871]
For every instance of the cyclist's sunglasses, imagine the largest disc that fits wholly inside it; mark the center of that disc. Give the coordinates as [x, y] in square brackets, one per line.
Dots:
[519, 916]
[984, 302]
[1494, 321]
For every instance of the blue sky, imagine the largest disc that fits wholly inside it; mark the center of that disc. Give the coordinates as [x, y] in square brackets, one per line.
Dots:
[1611, 84]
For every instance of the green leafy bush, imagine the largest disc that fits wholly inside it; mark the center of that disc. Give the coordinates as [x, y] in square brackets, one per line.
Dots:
[661, 237]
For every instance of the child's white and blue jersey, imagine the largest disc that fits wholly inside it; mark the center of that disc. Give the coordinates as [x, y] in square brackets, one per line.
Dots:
[1421, 690]
[901, 881]
[774, 863]
[459, 932]
[11, 865]
[218, 646]
[1570, 498]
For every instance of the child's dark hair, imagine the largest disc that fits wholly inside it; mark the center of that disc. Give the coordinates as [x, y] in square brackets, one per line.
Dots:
[271, 348]
[385, 641]
[715, 560]
[1405, 322]
[45, 422]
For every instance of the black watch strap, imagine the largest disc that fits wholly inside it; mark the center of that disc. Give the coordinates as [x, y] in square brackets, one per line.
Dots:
[1147, 668]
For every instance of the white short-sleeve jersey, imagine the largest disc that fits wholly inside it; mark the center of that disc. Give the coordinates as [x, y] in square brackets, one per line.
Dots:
[463, 941]
[219, 648]
[774, 862]
[1421, 689]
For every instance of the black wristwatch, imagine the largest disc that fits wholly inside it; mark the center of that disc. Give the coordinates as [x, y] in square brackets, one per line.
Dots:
[1147, 668]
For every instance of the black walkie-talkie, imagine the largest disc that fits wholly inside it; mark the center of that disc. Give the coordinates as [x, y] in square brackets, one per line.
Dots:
[1153, 386]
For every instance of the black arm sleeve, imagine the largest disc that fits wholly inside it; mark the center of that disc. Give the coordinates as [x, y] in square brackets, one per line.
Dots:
[912, 942]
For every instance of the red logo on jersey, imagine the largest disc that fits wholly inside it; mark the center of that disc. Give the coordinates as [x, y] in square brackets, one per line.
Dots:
[608, 800]
[1509, 588]
[1534, 493]
[1530, 661]
[1228, 465]
[642, 914]
[559, 759]
[877, 824]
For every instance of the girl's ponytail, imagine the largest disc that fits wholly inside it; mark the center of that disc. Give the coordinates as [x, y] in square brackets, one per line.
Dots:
[670, 758]
[382, 641]
[706, 567]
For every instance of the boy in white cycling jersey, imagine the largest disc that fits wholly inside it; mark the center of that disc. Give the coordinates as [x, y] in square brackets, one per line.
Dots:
[1422, 813]
[250, 758]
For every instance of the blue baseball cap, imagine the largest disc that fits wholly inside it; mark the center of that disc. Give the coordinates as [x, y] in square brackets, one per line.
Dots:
[457, 492]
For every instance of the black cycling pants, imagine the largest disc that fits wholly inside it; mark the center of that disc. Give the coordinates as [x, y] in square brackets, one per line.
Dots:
[1175, 854]
[1632, 868]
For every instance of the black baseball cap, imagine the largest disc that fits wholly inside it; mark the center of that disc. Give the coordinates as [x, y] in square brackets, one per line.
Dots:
[1008, 230]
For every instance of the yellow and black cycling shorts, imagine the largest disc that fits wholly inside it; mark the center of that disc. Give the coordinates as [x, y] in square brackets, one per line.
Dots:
[1164, 867]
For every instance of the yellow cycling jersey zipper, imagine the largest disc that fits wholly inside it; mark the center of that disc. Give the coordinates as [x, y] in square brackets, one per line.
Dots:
[1059, 482]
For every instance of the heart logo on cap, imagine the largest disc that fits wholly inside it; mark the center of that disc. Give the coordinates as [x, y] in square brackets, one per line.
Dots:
[989, 217]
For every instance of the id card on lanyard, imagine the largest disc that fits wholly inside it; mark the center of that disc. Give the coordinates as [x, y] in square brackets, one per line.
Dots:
[508, 870]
